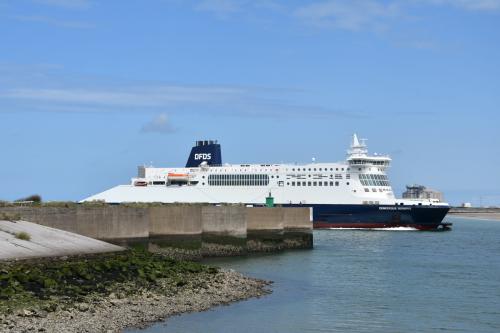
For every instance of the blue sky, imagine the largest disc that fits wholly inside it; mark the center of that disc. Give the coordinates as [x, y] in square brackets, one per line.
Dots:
[90, 89]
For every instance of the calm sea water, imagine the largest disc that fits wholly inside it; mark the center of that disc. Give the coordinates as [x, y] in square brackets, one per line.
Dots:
[369, 281]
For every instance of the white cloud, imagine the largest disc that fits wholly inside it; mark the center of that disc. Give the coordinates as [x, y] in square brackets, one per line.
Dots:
[55, 22]
[220, 7]
[138, 97]
[353, 15]
[47, 89]
[475, 5]
[349, 15]
[160, 124]
[70, 4]
[226, 8]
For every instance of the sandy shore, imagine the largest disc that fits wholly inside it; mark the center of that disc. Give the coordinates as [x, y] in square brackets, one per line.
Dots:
[117, 312]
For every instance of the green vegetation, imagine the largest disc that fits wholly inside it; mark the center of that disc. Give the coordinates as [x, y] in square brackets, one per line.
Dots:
[23, 235]
[51, 283]
[7, 216]
[62, 204]
[32, 198]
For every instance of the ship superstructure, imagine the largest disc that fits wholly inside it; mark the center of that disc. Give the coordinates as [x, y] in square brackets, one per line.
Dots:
[352, 193]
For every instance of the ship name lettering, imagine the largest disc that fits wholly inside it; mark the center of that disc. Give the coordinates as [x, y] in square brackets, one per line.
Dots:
[203, 156]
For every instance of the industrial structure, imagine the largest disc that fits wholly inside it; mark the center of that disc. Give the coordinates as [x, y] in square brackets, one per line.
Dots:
[421, 192]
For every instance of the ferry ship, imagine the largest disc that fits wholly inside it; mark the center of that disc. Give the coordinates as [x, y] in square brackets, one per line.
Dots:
[355, 193]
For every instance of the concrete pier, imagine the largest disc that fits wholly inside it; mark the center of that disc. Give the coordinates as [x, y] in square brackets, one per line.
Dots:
[265, 229]
[224, 230]
[175, 230]
[297, 228]
[189, 231]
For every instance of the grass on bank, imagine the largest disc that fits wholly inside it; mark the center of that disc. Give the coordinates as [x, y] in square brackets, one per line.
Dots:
[8, 216]
[52, 283]
[23, 235]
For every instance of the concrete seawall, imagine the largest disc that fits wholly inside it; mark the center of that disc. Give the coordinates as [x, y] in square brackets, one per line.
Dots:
[476, 212]
[190, 231]
[102, 222]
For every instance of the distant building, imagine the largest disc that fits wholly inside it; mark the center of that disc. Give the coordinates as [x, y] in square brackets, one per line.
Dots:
[466, 205]
[421, 192]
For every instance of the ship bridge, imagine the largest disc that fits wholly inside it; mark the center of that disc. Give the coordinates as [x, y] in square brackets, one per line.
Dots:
[357, 155]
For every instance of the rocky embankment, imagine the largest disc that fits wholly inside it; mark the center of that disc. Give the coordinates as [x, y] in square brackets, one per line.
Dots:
[111, 292]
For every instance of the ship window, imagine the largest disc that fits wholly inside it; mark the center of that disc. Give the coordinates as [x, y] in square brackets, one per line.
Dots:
[336, 183]
[374, 190]
[342, 169]
[347, 183]
[325, 183]
[308, 183]
[331, 183]
[303, 183]
[293, 169]
[238, 180]
[320, 169]
[367, 190]
[309, 169]
[320, 183]
[293, 183]
[298, 183]
[314, 169]
[315, 184]
[336, 169]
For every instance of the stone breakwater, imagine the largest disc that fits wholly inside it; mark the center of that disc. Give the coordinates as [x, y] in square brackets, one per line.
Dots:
[109, 293]
[115, 313]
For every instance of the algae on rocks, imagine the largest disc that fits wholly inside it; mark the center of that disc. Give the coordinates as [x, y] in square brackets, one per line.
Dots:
[50, 283]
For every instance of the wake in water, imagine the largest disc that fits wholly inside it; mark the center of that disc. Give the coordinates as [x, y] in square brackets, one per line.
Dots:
[380, 229]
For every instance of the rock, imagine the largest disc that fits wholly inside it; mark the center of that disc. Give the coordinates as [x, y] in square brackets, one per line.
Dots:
[42, 314]
[26, 313]
[83, 307]
[114, 302]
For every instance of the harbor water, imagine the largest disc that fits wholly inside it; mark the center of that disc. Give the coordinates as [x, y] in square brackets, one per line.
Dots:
[368, 281]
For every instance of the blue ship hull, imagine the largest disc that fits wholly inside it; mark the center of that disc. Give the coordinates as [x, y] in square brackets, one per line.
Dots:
[327, 216]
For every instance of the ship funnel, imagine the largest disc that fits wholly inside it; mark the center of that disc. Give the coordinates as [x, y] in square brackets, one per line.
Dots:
[207, 151]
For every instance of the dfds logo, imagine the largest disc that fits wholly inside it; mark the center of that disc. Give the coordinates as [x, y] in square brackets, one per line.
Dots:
[203, 156]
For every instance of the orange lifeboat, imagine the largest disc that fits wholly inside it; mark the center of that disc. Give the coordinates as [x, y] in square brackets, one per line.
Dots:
[178, 176]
